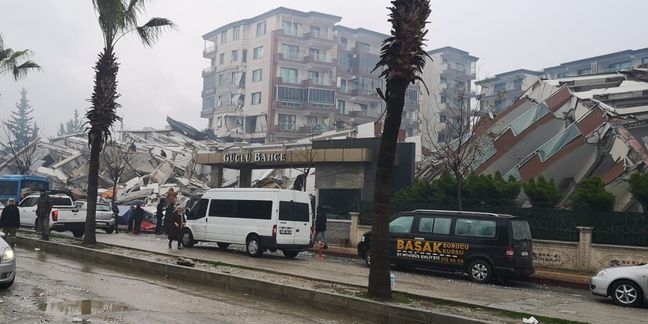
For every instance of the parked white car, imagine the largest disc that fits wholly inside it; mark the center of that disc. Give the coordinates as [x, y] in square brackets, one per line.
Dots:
[64, 216]
[627, 286]
[104, 218]
[260, 219]
[7, 264]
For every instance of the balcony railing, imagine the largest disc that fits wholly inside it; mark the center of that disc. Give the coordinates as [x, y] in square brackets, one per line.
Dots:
[322, 81]
[287, 126]
[293, 56]
[323, 58]
[209, 50]
[290, 79]
[291, 31]
[209, 69]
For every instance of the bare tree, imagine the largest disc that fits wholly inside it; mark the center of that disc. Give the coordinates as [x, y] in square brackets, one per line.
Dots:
[308, 156]
[22, 156]
[456, 134]
[116, 159]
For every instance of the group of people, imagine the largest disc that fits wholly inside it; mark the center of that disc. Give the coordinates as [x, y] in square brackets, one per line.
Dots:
[170, 218]
[10, 218]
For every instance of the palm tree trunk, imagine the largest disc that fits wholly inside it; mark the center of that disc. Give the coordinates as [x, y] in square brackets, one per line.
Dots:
[379, 281]
[89, 237]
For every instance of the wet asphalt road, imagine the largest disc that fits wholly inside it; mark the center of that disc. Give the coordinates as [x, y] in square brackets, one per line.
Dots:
[50, 289]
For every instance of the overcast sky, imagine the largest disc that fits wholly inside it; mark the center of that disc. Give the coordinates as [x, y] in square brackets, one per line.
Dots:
[166, 79]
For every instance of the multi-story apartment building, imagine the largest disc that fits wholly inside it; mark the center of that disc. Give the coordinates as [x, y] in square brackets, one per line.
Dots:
[448, 76]
[286, 74]
[500, 91]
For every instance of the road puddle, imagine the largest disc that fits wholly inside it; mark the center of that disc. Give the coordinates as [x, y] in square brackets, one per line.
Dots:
[80, 307]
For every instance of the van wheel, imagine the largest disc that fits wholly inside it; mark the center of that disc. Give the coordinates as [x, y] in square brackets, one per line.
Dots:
[78, 233]
[480, 271]
[8, 284]
[109, 230]
[223, 246]
[367, 258]
[291, 254]
[187, 239]
[253, 247]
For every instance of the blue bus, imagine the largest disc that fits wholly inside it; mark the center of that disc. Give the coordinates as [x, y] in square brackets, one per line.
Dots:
[19, 186]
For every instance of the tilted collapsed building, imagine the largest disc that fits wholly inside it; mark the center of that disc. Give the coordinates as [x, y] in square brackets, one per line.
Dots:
[571, 129]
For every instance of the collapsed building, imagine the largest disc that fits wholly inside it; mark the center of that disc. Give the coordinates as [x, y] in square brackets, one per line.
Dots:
[571, 129]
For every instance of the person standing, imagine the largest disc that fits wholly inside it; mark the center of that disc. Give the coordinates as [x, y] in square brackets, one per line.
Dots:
[174, 227]
[131, 219]
[10, 221]
[171, 197]
[138, 214]
[115, 210]
[159, 215]
[43, 210]
[320, 226]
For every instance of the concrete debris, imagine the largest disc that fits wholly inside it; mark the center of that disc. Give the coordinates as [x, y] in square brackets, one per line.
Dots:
[185, 262]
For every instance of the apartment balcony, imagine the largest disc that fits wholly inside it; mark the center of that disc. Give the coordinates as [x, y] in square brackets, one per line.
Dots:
[311, 37]
[208, 70]
[291, 56]
[319, 82]
[209, 52]
[321, 58]
[364, 92]
[367, 50]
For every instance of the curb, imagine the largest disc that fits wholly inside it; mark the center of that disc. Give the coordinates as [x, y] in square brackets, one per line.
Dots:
[325, 301]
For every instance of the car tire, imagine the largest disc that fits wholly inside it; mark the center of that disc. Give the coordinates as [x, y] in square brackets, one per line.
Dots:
[290, 254]
[367, 258]
[480, 271]
[78, 233]
[626, 293]
[187, 239]
[222, 246]
[110, 230]
[8, 284]
[253, 246]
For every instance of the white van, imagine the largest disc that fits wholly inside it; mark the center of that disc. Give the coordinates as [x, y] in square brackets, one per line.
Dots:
[262, 219]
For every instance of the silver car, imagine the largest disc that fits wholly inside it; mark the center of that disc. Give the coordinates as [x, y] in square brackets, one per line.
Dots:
[7, 264]
[628, 286]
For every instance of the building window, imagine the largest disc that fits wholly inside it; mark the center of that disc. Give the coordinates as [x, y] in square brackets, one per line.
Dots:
[219, 102]
[344, 42]
[321, 96]
[257, 75]
[220, 122]
[444, 80]
[460, 85]
[644, 60]
[256, 98]
[261, 28]
[223, 37]
[236, 33]
[290, 28]
[221, 79]
[444, 98]
[290, 51]
[258, 52]
[445, 61]
[316, 31]
[562, 75]
[293, 95]
[221, 59]
[364, 110]
[289, 75]
[500, 87]
[311, 121]
[234, 55]
[619, 66]
[460, 67]
[314, 53]
[441, 138]
[313, 76]
[584, 71]
[412, 95]
[443, 118]
[517, 84]
[287, 122]
[341, 106]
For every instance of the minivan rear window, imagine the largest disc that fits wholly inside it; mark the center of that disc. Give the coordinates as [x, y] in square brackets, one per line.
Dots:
[293, 211]
[521, 230]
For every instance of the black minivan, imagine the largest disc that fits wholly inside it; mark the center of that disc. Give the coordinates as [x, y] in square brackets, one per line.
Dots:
[482, 245]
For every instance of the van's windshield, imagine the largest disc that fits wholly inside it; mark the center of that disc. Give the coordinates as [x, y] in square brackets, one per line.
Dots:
[521, 230]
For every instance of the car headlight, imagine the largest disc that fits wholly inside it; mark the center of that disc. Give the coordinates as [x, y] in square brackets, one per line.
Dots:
[601, 273]
[7, 255]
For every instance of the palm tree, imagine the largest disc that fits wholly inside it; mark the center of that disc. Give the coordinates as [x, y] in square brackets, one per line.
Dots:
[403, 58]
[15, 62]
[117, 18]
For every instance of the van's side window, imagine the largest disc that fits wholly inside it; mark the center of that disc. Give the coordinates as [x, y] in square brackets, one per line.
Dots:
[442, 226]
[401, 225]
[199, 210]
[254, 209]
[475, 228]
[426, 224]
[222, 208]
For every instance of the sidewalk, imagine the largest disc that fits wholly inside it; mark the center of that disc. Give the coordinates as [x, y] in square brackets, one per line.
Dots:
[544, 276]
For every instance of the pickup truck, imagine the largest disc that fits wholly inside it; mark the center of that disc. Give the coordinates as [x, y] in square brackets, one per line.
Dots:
[64, 216]
[105, 219]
